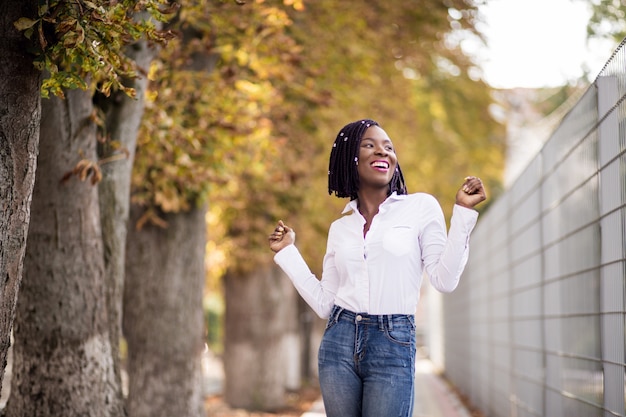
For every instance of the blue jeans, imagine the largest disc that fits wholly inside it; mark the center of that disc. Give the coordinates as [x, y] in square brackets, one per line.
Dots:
[367, 365]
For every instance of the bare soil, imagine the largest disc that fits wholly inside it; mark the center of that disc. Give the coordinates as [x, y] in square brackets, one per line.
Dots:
[298, 403]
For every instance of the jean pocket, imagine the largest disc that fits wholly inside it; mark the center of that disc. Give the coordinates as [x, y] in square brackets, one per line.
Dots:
[403, 333]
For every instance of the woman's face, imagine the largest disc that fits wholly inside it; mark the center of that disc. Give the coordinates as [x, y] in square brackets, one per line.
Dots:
[377, 159]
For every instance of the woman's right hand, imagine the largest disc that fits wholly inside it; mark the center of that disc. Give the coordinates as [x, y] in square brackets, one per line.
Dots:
[281, 237]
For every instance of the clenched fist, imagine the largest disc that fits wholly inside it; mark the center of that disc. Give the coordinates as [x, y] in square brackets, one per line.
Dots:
[281, 237]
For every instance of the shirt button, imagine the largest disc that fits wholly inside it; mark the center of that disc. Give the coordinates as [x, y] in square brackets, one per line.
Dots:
[359, 318]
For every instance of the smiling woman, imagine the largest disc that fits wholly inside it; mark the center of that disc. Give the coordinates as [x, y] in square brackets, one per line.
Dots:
[378, 161]
[343, 178]
[376, 255]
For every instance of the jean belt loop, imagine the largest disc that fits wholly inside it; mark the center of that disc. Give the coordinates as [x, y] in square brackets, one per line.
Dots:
[333, 314]
[390, 322]
[381, 322]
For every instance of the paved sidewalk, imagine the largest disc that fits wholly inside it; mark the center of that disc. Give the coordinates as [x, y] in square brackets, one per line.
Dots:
[433, 398]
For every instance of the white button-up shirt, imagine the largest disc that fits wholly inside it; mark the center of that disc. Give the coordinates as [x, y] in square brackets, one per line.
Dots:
[381, 273]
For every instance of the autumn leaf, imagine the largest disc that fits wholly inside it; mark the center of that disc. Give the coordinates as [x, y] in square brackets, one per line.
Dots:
[90, 40]
[24, 23]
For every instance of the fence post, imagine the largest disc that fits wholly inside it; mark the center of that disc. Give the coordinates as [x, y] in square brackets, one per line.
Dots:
[611, 198]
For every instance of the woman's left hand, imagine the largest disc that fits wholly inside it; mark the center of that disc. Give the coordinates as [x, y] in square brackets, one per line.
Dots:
[471, 193]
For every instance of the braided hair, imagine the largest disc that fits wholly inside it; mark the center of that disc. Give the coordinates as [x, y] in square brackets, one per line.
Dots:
[343, 177]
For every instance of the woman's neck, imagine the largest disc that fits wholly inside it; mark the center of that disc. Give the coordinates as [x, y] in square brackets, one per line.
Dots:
[368, 203]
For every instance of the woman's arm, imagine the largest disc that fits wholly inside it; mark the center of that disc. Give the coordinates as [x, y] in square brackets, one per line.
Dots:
[445, 254]
[319, 295]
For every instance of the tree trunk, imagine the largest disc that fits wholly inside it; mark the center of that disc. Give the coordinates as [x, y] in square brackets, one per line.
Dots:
[63, 361]
[163, 320]
[260, 308]
[20, 112]
[123, 118]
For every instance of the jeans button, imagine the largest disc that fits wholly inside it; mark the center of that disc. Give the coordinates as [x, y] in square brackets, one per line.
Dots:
[359, 318]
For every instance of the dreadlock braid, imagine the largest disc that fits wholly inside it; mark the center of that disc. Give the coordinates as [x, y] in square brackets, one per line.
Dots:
[343, 177]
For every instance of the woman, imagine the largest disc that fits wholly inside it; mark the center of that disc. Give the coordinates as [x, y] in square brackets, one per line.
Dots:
[372, 272]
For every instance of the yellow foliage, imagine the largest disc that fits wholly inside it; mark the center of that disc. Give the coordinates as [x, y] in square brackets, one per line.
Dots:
[206, 133]
[243, 109]
[296, 4]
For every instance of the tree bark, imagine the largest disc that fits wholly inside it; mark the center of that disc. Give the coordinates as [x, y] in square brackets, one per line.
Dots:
[20, 112]
[259, 334]
[163, 320]
[117, 154]
[63, 362]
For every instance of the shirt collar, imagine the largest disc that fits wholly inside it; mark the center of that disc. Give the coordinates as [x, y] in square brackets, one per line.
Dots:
[353, 204]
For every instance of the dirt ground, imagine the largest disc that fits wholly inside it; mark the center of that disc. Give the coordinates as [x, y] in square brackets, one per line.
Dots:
[297, 404]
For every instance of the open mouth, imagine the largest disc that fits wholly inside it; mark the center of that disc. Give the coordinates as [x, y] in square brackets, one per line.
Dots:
[383, 165]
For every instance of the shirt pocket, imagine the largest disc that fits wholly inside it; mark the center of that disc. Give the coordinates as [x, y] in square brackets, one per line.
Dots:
[399, 240]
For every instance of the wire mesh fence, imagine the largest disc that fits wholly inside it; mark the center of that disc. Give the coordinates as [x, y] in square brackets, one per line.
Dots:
[537, 325]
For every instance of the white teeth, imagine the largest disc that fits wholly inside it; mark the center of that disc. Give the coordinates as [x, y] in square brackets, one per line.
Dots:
[380, 164]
